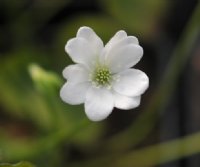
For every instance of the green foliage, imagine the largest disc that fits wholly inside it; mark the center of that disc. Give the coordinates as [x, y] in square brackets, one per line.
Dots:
[30, 80]
[138, 16]
[30, 93]
[21, 164]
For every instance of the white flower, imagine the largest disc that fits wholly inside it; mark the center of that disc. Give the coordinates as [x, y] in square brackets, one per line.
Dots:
[102, 77]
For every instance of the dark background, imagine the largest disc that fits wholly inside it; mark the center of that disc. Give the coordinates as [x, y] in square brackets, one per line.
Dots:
[35, 31]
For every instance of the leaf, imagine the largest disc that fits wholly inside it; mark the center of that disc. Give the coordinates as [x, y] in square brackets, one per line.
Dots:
[17, 92]
[53, 120]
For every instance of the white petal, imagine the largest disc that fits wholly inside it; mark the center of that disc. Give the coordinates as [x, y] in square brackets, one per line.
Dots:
[99, 103]
[117, 45]
[131, 82]
[125, 102]
[88, 34]
[119, 40]
[81, 51]
[126, 41]
[133, 40]
[74, 93]
[122, 58]
[115, 39]
[76, 73]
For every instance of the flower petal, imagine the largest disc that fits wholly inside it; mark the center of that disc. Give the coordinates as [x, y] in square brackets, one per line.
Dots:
[132, 39]
[74, 93]
[126, 41]
[125, 102]
[88, 34]
[99, 103]
[131, 82]
[119, 40]
[122, 58]
[76, 73]
[81, 51]
[116, 38]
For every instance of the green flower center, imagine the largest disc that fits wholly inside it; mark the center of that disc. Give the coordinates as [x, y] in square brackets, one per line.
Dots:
[102, 76]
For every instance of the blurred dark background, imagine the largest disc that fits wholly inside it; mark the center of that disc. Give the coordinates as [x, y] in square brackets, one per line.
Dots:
[35, 31]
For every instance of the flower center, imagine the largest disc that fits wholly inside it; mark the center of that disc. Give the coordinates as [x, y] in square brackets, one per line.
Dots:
[102, 76]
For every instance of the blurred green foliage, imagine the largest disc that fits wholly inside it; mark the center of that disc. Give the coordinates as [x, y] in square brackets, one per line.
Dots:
[142, 17]
[21, 164]
[35, 124]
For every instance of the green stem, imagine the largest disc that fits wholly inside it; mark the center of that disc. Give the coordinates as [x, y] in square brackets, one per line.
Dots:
[160, 153]
[149, 156]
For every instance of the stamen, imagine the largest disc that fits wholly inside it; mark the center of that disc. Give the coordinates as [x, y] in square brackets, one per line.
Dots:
[102, 76]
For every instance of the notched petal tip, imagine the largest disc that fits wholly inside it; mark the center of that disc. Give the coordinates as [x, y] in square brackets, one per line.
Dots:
[133, 40]
[121, 33]
[92, 38]
[84, 29]
[81, 51]
[69, 44]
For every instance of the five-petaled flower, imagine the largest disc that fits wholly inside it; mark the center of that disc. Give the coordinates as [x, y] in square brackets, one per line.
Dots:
[102, 77]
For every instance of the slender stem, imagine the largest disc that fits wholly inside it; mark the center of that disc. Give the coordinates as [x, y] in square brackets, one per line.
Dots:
[160, 153]
[149, 156]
